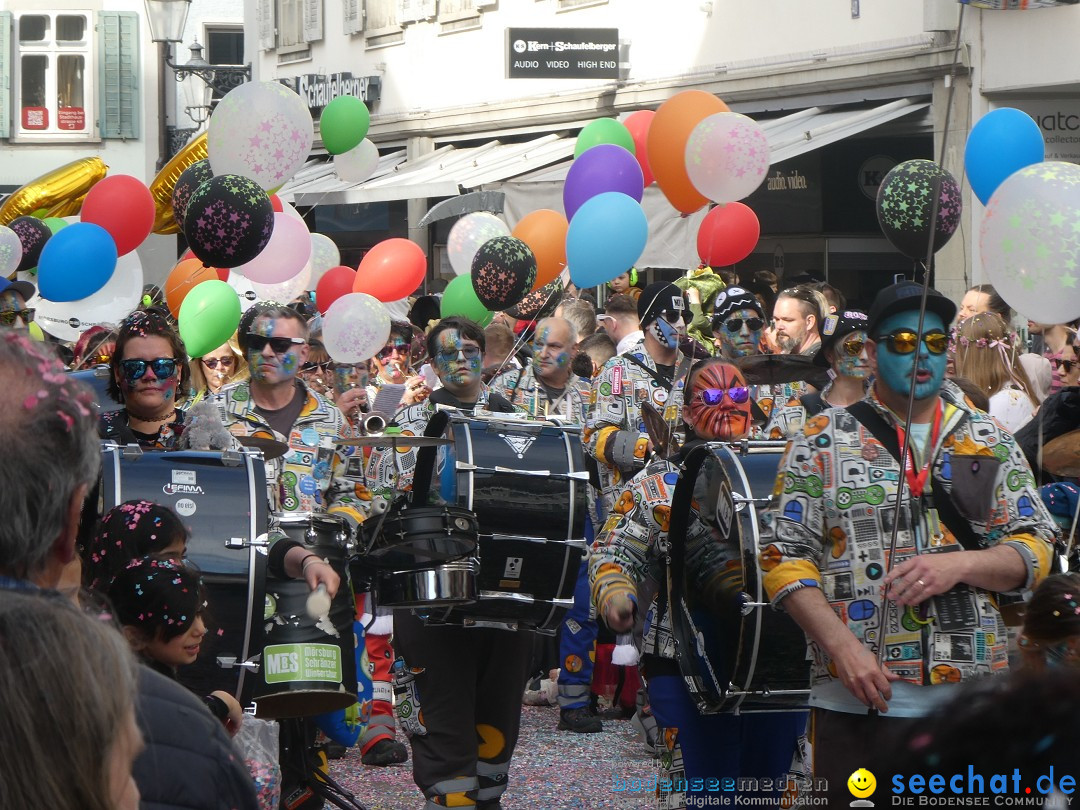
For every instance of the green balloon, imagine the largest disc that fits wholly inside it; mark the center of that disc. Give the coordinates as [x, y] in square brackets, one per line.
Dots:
[209, 315]
[459, 298]
[343, 124]
[604, 130]
[55, 223]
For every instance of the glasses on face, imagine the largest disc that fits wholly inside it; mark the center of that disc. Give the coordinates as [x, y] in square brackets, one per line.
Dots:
[672, 316]
[1067, 365]
[9, 317]
[163, 368]
[101, 359]
[714, 396]
[278, 345]
[315, 367]
[735, 324]
[904, 341]
[470, 352]
[386, 351]
[853, 346]
[212, 362]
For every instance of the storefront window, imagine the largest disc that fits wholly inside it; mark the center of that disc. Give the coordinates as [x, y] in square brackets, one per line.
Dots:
[53, 91]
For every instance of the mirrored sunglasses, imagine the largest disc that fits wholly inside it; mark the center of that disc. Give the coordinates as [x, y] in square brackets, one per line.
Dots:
[163, 368]
[714, 396]
[904, 341]
[8, 317]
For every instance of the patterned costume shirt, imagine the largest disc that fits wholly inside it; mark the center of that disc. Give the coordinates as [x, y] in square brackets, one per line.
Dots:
[830, 523]
[523, 390]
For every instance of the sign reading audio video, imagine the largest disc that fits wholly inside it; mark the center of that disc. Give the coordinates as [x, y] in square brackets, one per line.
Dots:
[563, 53]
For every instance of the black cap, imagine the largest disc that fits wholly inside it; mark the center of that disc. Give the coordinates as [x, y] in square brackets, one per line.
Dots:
[906, 296]
[660, 296]
[23, 288]
[730, 300]
[835, 326]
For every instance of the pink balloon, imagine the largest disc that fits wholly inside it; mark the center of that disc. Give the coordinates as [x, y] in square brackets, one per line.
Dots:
[285, 254]
[638, 125]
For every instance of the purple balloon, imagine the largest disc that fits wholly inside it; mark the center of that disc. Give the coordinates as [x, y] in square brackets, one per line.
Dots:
[602, 168]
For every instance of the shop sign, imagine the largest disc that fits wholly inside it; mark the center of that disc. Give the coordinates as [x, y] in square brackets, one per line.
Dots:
[1059, 120]
[318, 89]
[562, 53]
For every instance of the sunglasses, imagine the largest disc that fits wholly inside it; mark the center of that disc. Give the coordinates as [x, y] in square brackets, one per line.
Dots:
[714, 396]
[9, 317]
[735, 324]
[212, 362]
[1067, 365]
[101, 359]
[854, 346]
[308, 367]
[385, 352]
[278, 345]
[163, 368]
[904, 341]
[470, 352]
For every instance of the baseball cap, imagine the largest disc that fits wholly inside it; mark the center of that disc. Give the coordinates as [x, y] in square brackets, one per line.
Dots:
[23, 288]
[835, 326]
[905, 296]
[731, 300]
[660, 296]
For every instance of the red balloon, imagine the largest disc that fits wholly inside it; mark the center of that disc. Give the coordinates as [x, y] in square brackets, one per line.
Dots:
[124, 207]
[222, 273]
[336, 282]
[728, 234]
[638, 124]
[391, 270]
[275, 202]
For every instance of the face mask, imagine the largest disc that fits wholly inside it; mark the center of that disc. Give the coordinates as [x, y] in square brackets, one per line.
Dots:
[895, 369]
[713, 406]
[667, 334]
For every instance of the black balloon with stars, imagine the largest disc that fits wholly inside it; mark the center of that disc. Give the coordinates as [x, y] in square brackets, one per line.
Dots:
[503, 272]
[33, 234]
[229, 220]
[190, 179]
[905, 201]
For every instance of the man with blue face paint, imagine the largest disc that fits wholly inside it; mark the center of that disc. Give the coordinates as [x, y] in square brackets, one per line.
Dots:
[857, 571]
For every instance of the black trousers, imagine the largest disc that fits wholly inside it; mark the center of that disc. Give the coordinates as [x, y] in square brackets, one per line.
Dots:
[470, 703]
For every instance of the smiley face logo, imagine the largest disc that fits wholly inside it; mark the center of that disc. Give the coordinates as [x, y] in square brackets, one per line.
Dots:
[862, 783]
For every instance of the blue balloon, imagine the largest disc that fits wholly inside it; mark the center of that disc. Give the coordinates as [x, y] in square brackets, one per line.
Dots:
[602, 168]
[605, 239]
[76, 262]
[1003, 141]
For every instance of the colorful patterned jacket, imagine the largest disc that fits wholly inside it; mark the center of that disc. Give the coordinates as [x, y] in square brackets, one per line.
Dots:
[523, 390]
[830, 523]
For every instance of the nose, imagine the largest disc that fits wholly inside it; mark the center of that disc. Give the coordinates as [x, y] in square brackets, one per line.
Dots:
[198, 627]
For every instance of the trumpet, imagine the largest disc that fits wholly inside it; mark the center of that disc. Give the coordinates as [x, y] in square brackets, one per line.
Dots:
[373, 423]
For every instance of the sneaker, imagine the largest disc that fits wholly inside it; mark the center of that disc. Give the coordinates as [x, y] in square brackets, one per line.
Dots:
[386, 752]
[580, 721]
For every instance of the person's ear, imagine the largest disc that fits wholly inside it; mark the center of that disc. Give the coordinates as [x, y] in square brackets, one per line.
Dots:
[686, 417]
[870, 347]
[135, 638]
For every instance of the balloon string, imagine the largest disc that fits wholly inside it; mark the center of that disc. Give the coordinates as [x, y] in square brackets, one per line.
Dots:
[519, 341]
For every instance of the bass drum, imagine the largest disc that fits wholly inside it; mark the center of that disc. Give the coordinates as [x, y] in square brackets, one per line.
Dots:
[221, 499]
[751, 658]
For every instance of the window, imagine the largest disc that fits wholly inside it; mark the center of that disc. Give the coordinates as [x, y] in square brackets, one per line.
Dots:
[52, 88]
[224, 46]
[380, 15]
[290, 24]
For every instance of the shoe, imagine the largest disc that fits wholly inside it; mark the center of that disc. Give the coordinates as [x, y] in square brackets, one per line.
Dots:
[334, 750]
[645, 726]
[386, 752]
[579, 721]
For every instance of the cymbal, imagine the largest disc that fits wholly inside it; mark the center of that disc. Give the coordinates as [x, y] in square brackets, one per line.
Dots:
[1062, 455]
[271, 448]
[394, 440]
[775, 369]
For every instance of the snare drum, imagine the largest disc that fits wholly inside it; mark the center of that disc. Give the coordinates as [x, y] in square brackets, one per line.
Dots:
[415, 537]
[221, 499]
[453, 583]
[308, 664]
[754, 659]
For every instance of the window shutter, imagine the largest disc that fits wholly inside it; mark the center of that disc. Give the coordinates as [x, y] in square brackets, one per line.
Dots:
[264, 18]
[313, 27]
[354, 22]
[427, 9]
[118, 88]
[5, 74]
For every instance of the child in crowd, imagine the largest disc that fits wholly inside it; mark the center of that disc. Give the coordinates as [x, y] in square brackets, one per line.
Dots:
[1051, 634]
[128, 531]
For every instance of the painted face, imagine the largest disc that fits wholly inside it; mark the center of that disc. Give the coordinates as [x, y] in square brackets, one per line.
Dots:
[894, 369]
[551, 350]
[972, 303]
[791, 325]
[178, 650]
[668, 328]
[620, 284]
[391, 364]
[458, 361]
[713, 408]
[743, 341]
[848, 364]
[349, 376]
[276, 364]
[218, 366]
[13, 311]
[123, 791]
[149, 394]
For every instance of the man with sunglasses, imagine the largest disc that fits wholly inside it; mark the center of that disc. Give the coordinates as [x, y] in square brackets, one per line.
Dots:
[392, 364]
[13, 297]
[898, 602]
[737, 323]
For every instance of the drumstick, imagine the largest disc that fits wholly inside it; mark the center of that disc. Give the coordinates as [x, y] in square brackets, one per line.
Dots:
[318, 602]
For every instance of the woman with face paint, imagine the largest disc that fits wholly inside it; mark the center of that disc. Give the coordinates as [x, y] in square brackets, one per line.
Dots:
[630, 548]
[151, 379]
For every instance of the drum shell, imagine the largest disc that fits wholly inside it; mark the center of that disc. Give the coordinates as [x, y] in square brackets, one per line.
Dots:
[416, 537]
[453, 583]
[307, 669]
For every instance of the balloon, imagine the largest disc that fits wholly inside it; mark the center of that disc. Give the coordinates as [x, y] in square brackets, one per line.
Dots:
[1002, 142]
[392, 269]
[70, 181]
[358, 164]
[187, 274]
[229, 221]
[33, 234]
[324, 255]
[343, 124]
[11, 251]
[605, 239]
[637, 124]
[285, 254]
[468, 234]
[261, 130]
[727, 234]
[355, 327]
[275, 203]
[208, 317]
[603, 130]
[669, 132]
[727, 157]
[163, 185]
[459, 298]
[601, 169]
[539, 303]
[1029, 245]
[76, 262]
[503, 271]
[245, 291]
[55, 223]
[336, 282]
[123, 206]
[286, 290]
[190, 179]
[904, 202]
[544, 231]
[107, 307]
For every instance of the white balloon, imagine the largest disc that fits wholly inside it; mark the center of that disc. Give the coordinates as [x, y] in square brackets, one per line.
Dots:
[355, 327]
[324, 255]
[10, 251]
[468, 235]
[285, 291]
[107, 307]
[245, 290]
[288, 208]
[358, 164]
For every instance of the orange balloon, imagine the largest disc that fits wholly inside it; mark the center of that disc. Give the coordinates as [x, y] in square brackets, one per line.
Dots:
[670, 130]
[544, 231]
[182, 279]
